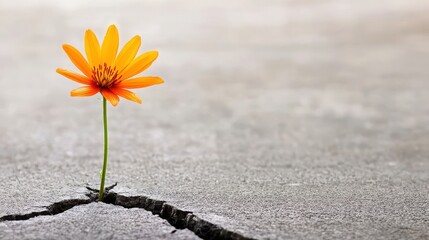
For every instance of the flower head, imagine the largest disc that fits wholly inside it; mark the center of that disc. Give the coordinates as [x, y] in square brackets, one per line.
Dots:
[107, 71]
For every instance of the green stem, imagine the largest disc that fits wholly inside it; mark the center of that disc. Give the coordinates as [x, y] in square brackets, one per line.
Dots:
[103, 173]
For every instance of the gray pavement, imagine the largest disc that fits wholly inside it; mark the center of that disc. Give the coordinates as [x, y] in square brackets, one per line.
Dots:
[93, 222]
[278, 119]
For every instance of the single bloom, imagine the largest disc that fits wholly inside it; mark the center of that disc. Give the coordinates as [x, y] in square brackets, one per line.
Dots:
[107, 71]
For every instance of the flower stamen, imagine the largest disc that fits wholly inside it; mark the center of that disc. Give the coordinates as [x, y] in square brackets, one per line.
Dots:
[105, 76]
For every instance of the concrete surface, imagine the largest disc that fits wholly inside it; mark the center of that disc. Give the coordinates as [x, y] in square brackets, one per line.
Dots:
[278, 119]
[90, 222]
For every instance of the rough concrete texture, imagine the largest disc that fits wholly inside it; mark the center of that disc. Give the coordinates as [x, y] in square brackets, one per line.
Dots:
[278, 119]
[92, 222]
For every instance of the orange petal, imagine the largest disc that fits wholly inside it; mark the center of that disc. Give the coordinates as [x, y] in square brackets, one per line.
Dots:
[140, 82]
[77, 59]
[92, 48]
[74, 76]
[84, 91]
[140, 64]
[109, 48]
[128, 52]
[126, 94]
[110, 96]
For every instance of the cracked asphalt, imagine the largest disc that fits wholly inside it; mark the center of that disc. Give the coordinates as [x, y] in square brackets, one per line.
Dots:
[277, 119]
[92, 222]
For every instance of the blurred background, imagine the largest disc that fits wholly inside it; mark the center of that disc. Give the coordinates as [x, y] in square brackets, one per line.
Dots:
[276, 60]
[288, 105]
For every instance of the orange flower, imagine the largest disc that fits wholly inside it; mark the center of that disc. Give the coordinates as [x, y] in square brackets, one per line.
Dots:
[108, 72]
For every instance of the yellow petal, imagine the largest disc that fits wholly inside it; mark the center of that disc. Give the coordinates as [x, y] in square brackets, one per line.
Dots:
[109, 48]
[126, 94]
[111, 97]
[84, 91]
[128, 52]
[139, 64]
[77, 59]
[140, 82]
[74, 76]
[92, 48]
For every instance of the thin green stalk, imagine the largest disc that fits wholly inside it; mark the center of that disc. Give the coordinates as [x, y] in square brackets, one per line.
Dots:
[103, 173]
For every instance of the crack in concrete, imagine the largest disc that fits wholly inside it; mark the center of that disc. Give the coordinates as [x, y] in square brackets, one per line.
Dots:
[53, 209]
[178, 218]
